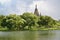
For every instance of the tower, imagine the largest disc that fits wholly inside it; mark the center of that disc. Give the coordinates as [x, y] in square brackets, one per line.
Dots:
[40, 14]
[36, 11]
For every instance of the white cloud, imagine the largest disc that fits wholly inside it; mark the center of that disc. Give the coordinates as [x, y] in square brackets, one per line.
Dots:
[44, 7]
[4, 1]
[20, 7]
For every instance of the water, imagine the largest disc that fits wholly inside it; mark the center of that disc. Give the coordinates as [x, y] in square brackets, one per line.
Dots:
[30, 35]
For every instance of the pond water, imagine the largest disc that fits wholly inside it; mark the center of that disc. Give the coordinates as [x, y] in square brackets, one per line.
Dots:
[30, 35]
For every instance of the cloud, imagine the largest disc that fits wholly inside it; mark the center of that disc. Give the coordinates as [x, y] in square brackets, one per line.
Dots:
[21, 7]
[13, 7]
[4, 1]
[45, 7]
[41, 5]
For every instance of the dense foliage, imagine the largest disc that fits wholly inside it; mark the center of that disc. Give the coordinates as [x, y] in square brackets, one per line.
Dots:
[27, 21]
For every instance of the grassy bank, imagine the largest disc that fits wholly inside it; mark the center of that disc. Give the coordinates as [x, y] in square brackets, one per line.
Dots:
[34, 29]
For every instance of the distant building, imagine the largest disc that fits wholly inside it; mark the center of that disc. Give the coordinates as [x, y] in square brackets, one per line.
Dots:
[36, 11]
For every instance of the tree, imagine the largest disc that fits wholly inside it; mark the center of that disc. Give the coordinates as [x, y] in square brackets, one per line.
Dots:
[1, 18]
[12, 22]
[8, 21]
[27, 21]
[20, 23]
[46, 21]
[30, 18]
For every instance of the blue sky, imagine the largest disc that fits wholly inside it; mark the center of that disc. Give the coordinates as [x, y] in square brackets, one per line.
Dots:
[46, 7]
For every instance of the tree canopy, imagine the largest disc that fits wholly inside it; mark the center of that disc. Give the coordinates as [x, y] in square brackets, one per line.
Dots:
[26, 21]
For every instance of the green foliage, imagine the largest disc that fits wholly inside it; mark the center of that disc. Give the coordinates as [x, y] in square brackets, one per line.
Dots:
[46, 21]
[1, 18]
[28, 21]
[31, 19]
[8, 22]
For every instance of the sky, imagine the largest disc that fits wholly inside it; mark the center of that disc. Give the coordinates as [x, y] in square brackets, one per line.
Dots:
[45, 7]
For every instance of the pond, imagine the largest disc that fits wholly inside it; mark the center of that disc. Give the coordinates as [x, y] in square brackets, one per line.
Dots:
[30, 35]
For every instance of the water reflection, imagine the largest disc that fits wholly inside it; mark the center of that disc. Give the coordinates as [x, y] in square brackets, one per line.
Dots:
[30, 35]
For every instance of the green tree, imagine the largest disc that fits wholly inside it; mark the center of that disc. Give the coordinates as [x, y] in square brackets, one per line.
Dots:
[14, 22]
[46, 21]
[1, 18]
[20, 23]
[8, 21]
[30, 18]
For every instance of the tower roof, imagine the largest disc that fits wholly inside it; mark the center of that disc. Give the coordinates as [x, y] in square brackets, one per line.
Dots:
[36, 11]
